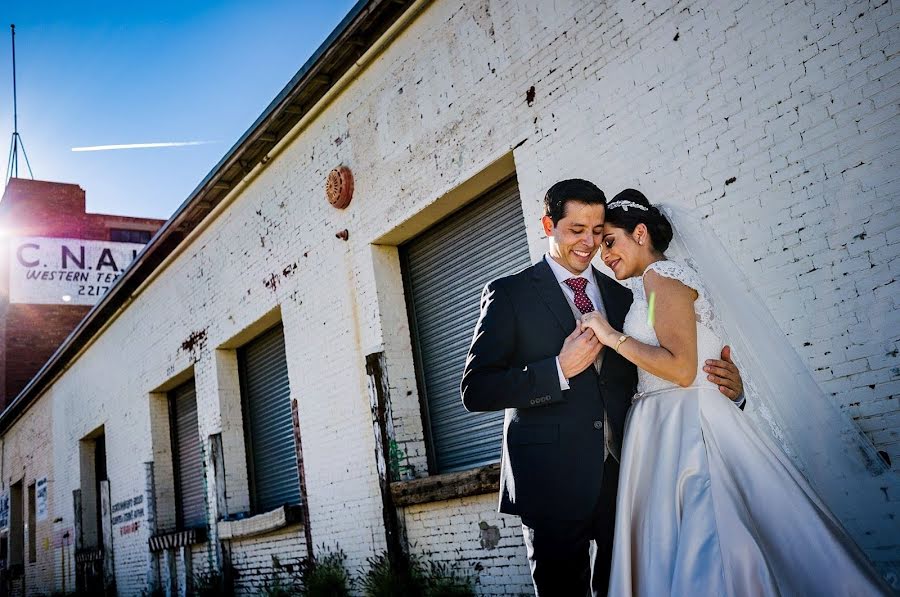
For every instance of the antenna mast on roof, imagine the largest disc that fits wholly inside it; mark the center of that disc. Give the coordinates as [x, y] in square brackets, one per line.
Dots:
[12, 164]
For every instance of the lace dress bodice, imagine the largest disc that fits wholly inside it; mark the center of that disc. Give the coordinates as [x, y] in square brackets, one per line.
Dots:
[638, 326]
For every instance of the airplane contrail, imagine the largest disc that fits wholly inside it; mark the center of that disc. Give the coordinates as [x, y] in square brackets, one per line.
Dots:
[140, 145]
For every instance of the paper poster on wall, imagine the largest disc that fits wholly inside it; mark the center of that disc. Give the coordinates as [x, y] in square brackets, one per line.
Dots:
[41, 499]
[4, 510]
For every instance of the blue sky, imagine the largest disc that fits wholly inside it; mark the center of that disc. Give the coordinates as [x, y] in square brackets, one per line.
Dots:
[104, 73]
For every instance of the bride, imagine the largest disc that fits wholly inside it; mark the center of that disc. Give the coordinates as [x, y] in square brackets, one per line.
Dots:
[707, 505]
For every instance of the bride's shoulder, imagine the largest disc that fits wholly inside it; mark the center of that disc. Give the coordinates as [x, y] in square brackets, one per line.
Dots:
[677, 270]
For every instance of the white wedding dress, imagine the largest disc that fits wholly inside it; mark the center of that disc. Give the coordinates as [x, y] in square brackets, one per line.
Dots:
[707, 505]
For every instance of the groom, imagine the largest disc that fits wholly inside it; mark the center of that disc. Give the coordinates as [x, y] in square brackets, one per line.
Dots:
[565, 396]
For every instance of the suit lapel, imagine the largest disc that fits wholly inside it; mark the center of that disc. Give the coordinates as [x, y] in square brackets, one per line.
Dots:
[550, 292]
[616, 298]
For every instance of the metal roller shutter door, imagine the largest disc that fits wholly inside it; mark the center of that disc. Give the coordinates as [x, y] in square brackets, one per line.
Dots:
[188, 456]
[270, 430]
[446, 268]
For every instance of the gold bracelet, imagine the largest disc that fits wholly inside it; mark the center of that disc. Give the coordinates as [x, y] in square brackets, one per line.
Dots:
[622, 339]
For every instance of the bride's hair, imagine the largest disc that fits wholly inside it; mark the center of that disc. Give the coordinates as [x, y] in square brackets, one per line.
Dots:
[622, 215]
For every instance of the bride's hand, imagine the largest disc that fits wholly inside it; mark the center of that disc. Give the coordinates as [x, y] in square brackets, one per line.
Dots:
[595, 321]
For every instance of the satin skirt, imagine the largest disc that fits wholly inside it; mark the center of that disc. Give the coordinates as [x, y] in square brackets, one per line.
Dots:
[707, 505]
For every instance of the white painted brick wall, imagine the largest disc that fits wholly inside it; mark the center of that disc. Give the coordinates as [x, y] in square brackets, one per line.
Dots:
[27, 455]
[463, 532]
[798, 102]
[267, 559]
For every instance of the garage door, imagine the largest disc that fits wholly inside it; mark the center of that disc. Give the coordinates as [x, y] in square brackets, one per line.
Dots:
[446, 268]
[189, 486]
[268, 424]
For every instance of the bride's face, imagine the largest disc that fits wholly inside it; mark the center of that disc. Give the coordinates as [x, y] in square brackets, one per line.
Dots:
[622, 251]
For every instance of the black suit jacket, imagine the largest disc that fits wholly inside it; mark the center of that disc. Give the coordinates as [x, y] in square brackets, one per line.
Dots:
[553, 440]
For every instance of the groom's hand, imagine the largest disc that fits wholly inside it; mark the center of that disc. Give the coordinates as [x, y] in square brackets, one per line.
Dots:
[725, 375]
[579, 351]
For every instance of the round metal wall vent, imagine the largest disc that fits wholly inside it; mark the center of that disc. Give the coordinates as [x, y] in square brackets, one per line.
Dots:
[339, 187]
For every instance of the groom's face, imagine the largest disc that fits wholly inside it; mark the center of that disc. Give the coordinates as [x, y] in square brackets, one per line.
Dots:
[575, 238]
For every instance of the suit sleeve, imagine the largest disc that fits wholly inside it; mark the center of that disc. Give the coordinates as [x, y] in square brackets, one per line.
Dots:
[491, 380]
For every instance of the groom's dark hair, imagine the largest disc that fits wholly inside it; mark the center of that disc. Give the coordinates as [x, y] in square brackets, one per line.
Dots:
[573, 189]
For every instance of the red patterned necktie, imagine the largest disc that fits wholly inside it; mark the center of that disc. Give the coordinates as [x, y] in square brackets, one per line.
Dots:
[582, 301]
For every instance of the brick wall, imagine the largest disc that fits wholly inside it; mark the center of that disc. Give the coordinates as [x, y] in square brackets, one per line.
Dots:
[267, 561]
[469, 533]
[778, 121]
[58, 210]
[33, 333]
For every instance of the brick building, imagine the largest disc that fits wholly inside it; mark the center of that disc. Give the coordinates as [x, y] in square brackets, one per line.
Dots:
[273, 375]
[31, 331]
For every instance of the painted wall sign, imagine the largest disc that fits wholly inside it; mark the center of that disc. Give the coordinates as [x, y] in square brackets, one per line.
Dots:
[41, 499]
[126, 514]
[58, 271]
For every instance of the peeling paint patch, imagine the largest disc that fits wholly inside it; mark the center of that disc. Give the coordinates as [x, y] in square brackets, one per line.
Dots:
[731, 180]
[529, 96]
[272, 282]
[289, 270]
[490, 535]
[195, 342]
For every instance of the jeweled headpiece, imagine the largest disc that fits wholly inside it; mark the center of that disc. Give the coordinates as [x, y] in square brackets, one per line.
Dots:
[624, 204]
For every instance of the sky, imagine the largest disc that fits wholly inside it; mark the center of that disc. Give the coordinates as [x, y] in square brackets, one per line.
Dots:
[113, 73]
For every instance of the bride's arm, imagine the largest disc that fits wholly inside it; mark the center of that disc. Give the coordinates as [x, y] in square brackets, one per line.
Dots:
[675, 323]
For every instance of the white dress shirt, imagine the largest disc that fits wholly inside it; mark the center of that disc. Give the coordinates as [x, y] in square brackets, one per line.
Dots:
[592, 291]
